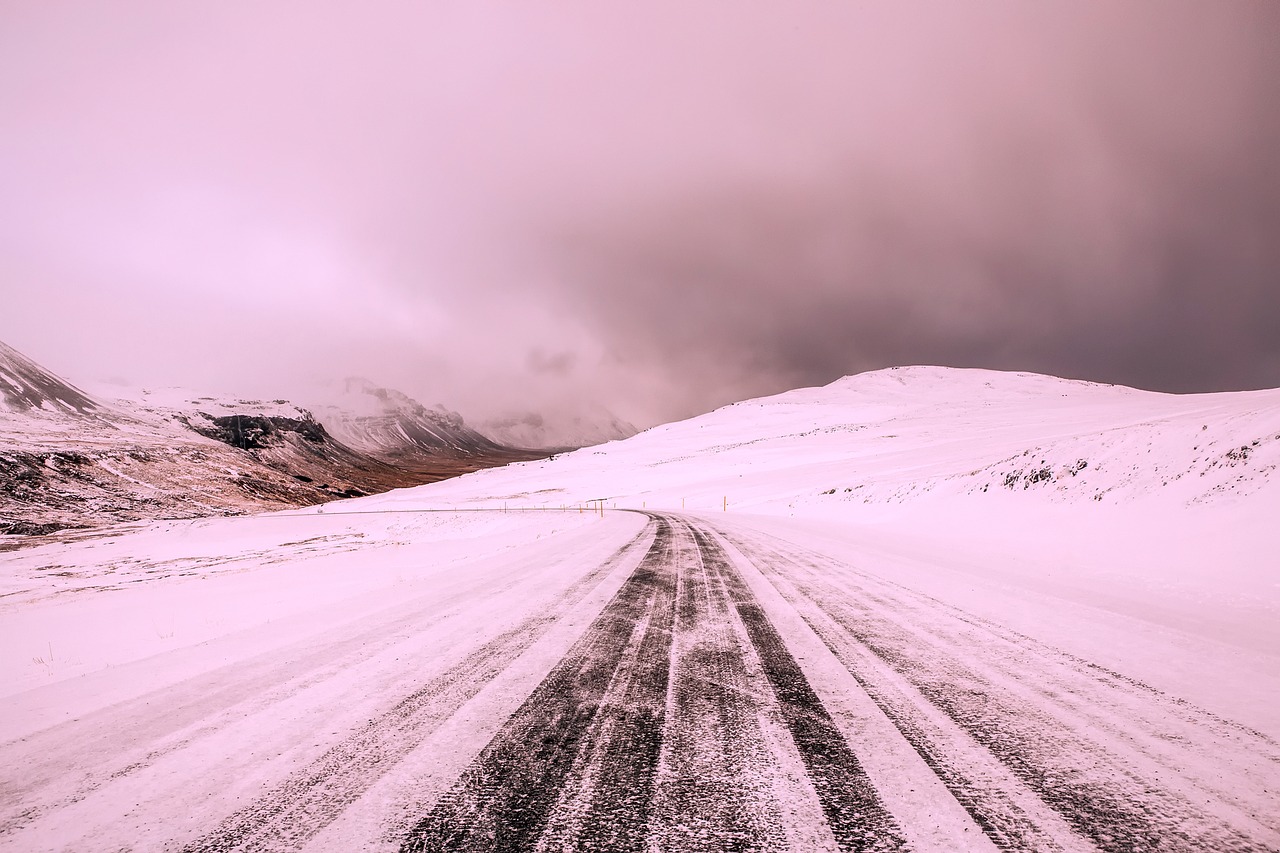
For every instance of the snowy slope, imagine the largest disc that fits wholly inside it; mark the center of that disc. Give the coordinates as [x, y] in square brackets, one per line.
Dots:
[898, 435]
[25, 385]
[1157, 506]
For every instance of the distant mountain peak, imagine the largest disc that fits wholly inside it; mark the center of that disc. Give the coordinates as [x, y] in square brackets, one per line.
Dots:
[387, 423]
[26, 386]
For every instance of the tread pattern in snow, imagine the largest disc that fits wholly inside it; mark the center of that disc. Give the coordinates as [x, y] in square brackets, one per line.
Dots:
[578, 765]
[970, 696]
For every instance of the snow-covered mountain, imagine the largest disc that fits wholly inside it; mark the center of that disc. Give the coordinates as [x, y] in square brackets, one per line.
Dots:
[62, 466]
[391, 425]
[25, 385]
[72, 459]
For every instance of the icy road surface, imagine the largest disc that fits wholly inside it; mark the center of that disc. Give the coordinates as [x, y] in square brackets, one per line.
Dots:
[648, 681]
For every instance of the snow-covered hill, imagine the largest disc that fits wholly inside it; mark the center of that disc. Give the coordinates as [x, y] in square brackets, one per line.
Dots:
[899, 435]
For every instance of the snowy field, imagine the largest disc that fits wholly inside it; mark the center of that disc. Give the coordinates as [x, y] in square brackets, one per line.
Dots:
[917, 609]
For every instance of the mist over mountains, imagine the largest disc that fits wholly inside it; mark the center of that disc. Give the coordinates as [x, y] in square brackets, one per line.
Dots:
[69, 458]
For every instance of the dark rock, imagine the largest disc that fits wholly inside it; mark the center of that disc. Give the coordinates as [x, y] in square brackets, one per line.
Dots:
[255, 432]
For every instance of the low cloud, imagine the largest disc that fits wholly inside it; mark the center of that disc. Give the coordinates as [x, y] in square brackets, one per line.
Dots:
[555, 364]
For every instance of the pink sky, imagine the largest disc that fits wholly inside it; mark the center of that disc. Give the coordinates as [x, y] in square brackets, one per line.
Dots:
[660, 206]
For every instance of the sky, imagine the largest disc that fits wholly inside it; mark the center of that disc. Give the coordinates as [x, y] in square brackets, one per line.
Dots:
[655, 207]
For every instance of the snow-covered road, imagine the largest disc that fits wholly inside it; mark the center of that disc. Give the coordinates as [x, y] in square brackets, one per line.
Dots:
[643, 681]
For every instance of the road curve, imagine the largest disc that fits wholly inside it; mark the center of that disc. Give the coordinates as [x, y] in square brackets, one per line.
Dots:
[710, 690]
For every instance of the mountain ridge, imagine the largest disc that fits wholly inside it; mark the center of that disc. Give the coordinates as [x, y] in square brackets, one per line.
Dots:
[25, 385]
[70, 459]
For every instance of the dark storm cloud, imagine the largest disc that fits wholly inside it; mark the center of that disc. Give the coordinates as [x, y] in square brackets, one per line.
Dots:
[770, 291]
[660, 207]
[1120, 225]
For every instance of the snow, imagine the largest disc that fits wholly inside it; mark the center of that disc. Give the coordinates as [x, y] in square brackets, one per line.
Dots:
[1155, 559]
[74, 613]
[1179, 538]
[1163, 528]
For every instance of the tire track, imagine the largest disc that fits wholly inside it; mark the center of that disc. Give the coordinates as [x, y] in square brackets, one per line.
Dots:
[308, 800]
[504, 800]
[646, 736]
[1008, 814]
[713, 783]
[857, 816]
[945, 705]
[54, 771]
